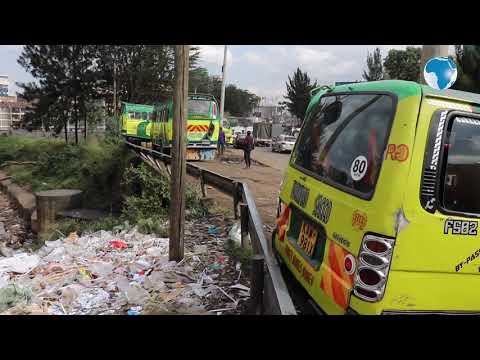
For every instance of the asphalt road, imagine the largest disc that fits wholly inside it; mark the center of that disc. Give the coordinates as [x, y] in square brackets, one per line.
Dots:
[266, 156]
[276, 160]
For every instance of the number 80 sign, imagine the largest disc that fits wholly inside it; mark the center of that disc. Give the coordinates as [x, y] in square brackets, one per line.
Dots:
[358, 168]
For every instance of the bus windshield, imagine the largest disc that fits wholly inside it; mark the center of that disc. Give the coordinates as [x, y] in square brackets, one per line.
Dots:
[199, 107]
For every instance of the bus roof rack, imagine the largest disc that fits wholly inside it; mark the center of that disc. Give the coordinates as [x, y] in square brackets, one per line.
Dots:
[317, 89]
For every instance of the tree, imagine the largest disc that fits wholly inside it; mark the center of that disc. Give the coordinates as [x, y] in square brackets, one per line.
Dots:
[404, 64]
[298, 93]
[238, 102]
[144, 73]
[374, 66]
[198, 80]
[66, 76]
[468, 68]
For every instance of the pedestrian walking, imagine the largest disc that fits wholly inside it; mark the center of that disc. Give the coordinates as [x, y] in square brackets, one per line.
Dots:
[221, 141]
[248, 146]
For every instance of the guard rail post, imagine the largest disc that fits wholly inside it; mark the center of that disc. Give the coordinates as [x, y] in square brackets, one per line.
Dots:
[236, 199]
[202, 184]
[257, 285]
[244, 224]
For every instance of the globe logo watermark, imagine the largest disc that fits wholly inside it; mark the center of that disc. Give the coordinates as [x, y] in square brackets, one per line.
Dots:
[440, 73]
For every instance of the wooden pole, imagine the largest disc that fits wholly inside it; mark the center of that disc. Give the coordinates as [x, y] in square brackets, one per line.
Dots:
[177, 204]
[115, 97]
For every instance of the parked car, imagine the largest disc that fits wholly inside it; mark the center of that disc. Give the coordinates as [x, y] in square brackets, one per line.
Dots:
[283, 143]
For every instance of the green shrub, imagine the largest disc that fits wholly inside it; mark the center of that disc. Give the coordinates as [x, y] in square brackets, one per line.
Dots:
[149, 195]
[67, 226]
[239, 254]
[95, 167]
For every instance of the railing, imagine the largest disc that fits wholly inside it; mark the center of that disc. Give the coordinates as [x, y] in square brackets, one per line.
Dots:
[268, 292]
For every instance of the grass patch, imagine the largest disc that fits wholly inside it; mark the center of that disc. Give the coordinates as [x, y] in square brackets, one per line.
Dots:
[66, 226]
[94, 167]
[239, 254]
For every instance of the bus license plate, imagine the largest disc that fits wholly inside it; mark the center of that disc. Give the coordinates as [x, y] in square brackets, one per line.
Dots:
[307, 239]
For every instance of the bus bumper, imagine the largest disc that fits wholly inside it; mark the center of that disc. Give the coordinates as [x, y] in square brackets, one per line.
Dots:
[200, 154]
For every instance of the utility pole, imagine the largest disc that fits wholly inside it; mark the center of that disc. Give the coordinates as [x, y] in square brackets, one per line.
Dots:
[115, 96]
[178, 173]
[430, 51]
[224, 74]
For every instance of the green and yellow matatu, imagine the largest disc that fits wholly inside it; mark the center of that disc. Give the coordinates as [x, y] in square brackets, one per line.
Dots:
[143, 123]
[136, 121]
[380, 204]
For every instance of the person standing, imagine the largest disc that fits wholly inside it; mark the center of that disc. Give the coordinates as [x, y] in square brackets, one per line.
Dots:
[248, 146]
[221, 141]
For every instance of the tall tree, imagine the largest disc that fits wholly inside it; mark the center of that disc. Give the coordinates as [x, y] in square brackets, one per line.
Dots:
[66, 75]
[298, 93]
[144, 73]
[238, 102]
[374, 70]
[468, 68]
[198, 80]
[404, 64]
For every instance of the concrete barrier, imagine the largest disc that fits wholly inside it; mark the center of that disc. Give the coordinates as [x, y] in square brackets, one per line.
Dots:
[21, 198]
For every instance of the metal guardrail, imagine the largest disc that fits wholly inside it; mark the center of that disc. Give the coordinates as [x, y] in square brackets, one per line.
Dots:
[269, 294]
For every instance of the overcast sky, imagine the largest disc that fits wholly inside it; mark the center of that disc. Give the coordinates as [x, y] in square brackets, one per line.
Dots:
[260, 69]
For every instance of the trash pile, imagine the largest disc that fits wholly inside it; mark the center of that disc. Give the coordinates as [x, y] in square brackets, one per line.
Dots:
[123, 272]
[12, 230]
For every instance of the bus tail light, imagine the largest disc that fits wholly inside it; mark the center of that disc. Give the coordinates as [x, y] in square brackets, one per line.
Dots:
[375, 258]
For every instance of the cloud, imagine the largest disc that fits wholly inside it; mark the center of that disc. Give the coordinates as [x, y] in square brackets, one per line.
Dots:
[12, 47]
[308, 57]
[255, 59]
[213, 55]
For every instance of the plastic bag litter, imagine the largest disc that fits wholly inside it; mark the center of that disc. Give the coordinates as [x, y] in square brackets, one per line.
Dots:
[155, 281]
[235, 233]
[23, 309]
[12, 295]
[240, 287]
[92, 298]
[198, 289]
[155, 251]
[20, 263]
[135, 310]
[118, 244]
[200, 249]
[71, 292]
[101, 268]
[213, 230]
[3, 282]
[137, 295]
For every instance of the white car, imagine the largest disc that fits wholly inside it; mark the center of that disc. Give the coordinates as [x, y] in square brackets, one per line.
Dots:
[283, 143]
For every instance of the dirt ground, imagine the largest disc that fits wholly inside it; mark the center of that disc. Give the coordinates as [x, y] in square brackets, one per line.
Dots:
[263, 181]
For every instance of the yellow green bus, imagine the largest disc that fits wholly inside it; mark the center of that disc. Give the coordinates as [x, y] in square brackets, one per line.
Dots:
[144, 123]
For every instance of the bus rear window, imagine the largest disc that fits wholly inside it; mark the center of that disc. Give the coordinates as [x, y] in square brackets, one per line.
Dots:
[343, 139]
[462, 166]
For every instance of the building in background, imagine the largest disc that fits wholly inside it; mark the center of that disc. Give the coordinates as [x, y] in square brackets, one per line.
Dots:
[4, 85]
[12, 111]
